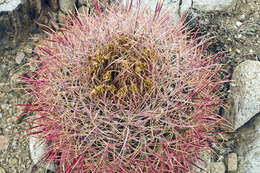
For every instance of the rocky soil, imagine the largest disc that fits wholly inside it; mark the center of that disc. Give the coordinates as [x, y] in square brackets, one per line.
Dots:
[236, 33]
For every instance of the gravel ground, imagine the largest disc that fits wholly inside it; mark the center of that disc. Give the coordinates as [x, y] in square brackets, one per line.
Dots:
[236, 33]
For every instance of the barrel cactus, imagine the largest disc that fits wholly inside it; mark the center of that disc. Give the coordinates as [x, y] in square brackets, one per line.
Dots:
[124, 90]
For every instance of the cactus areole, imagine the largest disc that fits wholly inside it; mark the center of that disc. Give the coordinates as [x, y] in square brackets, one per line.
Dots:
[124, 90]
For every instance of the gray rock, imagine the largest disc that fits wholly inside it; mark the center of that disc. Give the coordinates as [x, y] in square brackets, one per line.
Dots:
[16, 23]
[211, 5]
[67, 6]
[37, 149]
[37, 6]
[248, 146]
[9, 5]
[231, 162]
[245, 93]
[217, 167]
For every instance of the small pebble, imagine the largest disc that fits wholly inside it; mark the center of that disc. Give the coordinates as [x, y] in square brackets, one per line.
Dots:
[238, 51]
[239, 23]
[28, 49]
[19, 57]
[231, 162]
[220, 158]
[3, 142]
[242, 17]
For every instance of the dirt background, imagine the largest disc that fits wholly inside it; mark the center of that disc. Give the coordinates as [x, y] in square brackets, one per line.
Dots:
[236, 33]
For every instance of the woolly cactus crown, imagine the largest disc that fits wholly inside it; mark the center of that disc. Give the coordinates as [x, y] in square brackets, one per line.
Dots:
[124, 91]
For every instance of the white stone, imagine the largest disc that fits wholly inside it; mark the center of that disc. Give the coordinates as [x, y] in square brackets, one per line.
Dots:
[238, 23]
[245, 93]
[186, 4]
[67, 6]
[9, 5]
[211, 5]
[19, 57]
[171, 6]
[147, 3]
[37, 150]
[248, 146]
